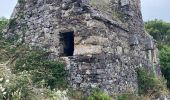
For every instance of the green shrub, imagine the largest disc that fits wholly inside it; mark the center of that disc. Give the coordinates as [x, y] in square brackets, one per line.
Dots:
[50, 73]
[150, 85]
[99, 95]
[15, 87]
[3, 23]
[165, 62]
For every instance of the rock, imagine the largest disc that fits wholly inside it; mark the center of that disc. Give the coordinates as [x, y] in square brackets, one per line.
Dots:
[134, 40]
[78, 79]
[149, 45]
[124, 2]
[87, 49]
[65, 6]
[119, 50]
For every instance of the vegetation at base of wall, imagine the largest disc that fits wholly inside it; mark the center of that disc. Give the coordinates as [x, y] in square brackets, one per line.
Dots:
[46, 73]
[150, 85]
[127, 97]
[25, 68]
[15, 87]
[97, 94]
[75, 94]
[131, 96]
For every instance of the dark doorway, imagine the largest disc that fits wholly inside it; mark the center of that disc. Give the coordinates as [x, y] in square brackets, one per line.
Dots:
[68, 43]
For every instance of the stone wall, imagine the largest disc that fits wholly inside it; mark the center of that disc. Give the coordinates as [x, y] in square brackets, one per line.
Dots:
[109, 39]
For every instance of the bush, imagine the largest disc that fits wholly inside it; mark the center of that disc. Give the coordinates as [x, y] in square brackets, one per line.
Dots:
[45, 72]
[99, 95]
[15, 87]
[3, 23]
[150, 85]
[165, 62]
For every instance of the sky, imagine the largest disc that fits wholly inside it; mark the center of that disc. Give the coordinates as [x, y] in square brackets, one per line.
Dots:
[159, 9]
[151, 9]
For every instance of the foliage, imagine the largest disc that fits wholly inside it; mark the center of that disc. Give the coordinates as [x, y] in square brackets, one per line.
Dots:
[3, 23]
[131, 96]
[160, 30]
[14, 87]
[99, 95]
[149, 84]
[30, 67]
[33, 60]
[5, 46]
[12, 23]
[75, 94]
[36, 62]
[8, 46]
[165, 62]
[126, 97]
[56, 95]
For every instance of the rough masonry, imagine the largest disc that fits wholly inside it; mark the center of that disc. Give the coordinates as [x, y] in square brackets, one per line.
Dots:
[103, 42]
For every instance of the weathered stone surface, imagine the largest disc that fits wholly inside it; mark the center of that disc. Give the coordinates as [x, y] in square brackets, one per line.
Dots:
[124, 2]
[134, 40]
[109, 39]
[149, 45]
[87, 49]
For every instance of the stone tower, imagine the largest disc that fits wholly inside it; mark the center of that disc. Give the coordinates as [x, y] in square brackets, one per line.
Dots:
[103, 42]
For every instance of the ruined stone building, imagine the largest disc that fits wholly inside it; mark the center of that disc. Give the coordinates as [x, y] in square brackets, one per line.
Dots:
[103, 42]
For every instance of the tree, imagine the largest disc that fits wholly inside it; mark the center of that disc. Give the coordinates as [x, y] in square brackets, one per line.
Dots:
[165, 62]
[160, 30]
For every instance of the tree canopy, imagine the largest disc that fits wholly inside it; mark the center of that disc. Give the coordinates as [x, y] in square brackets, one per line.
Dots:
[160, 30]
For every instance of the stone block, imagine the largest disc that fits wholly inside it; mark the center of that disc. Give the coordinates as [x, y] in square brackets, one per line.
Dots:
[134, 40]
[149, 44]
[96, 40]
[78, 79]
[119, 50]
[87, 49]
[124, 2]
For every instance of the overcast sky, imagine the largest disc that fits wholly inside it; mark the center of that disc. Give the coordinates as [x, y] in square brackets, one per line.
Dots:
[151, 9]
